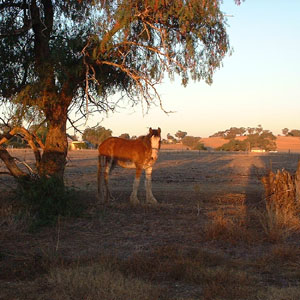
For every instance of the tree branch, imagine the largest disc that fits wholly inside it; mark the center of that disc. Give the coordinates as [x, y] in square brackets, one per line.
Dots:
[10, 163]
[30, 138]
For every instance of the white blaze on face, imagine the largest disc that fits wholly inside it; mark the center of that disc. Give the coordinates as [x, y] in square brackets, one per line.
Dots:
[155, 146]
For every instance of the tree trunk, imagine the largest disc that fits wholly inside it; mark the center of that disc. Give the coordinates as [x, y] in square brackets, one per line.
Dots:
[56, 145]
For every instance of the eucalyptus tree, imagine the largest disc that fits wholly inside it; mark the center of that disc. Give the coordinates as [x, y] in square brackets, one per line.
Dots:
[57, 56]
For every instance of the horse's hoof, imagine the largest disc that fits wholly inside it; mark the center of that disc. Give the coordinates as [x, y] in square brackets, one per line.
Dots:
[151, 200]
[134, 200]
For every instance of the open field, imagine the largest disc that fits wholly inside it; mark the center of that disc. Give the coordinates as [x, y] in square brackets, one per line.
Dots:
[210, 236]
[283, 143]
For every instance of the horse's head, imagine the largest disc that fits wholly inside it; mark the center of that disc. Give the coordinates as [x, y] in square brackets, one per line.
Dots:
[155, 138]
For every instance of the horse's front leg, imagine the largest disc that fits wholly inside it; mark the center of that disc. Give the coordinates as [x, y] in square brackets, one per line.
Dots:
[133, 197]
[148, 184]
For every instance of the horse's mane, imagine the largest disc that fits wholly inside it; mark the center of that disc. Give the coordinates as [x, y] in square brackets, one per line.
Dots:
[141, 137]
[145, 139]
[148, 136]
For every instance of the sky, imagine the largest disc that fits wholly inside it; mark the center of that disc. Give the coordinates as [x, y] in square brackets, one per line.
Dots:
[258, 84]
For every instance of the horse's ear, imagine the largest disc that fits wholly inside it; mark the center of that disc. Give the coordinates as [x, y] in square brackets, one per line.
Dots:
[150, 131]
[159, 130]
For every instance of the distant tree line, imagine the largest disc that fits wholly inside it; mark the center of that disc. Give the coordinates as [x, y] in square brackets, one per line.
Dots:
[293, 132]
[233, 132]
[96, 135]
[255, 137]
[181, 137]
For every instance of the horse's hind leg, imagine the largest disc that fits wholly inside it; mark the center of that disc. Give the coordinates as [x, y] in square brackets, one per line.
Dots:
[133, 197]
[109, 165]
[148, 185]
[100, 177]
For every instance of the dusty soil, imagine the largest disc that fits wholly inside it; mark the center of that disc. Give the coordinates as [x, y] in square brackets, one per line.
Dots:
[190, 188]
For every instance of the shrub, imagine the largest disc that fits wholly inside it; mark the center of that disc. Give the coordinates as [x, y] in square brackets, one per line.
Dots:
[45, 199]
[233, 145]
[193, 142]
[199, 146]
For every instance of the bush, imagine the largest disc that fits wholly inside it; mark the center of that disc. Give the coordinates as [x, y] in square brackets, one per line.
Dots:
[45, 199]
[193, 142]
[265, 141]
[199, 146]
[233, 145]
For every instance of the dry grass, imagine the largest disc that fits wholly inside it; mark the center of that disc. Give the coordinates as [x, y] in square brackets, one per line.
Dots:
[208, 239]
[275, 293]
[281, 217]
[207, 274]
[98, 281]
[279, 222]
[233, 229]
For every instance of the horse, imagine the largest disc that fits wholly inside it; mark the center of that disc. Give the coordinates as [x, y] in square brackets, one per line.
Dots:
[140, 153]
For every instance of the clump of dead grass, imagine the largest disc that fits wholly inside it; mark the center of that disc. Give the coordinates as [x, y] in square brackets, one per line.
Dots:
[281, 217]
[233, 229]
[279, 222]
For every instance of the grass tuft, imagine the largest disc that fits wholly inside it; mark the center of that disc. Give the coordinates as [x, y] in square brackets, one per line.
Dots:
[231, 229]
[279, 221]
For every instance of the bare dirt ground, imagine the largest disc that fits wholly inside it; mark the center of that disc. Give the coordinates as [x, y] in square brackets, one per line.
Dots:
[199, 194]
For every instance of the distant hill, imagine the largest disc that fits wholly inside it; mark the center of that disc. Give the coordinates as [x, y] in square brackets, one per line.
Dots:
[284, 143]
[288, 143]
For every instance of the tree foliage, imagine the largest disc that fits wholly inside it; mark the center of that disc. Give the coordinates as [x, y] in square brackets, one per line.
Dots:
[193, 142]
[62, 56]
[256, 138]
[285, 131]
[96, 135]
[171, 139]
[233, 132]
[234, 145]
[294, 132]
[180, 134]
[125, 136]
